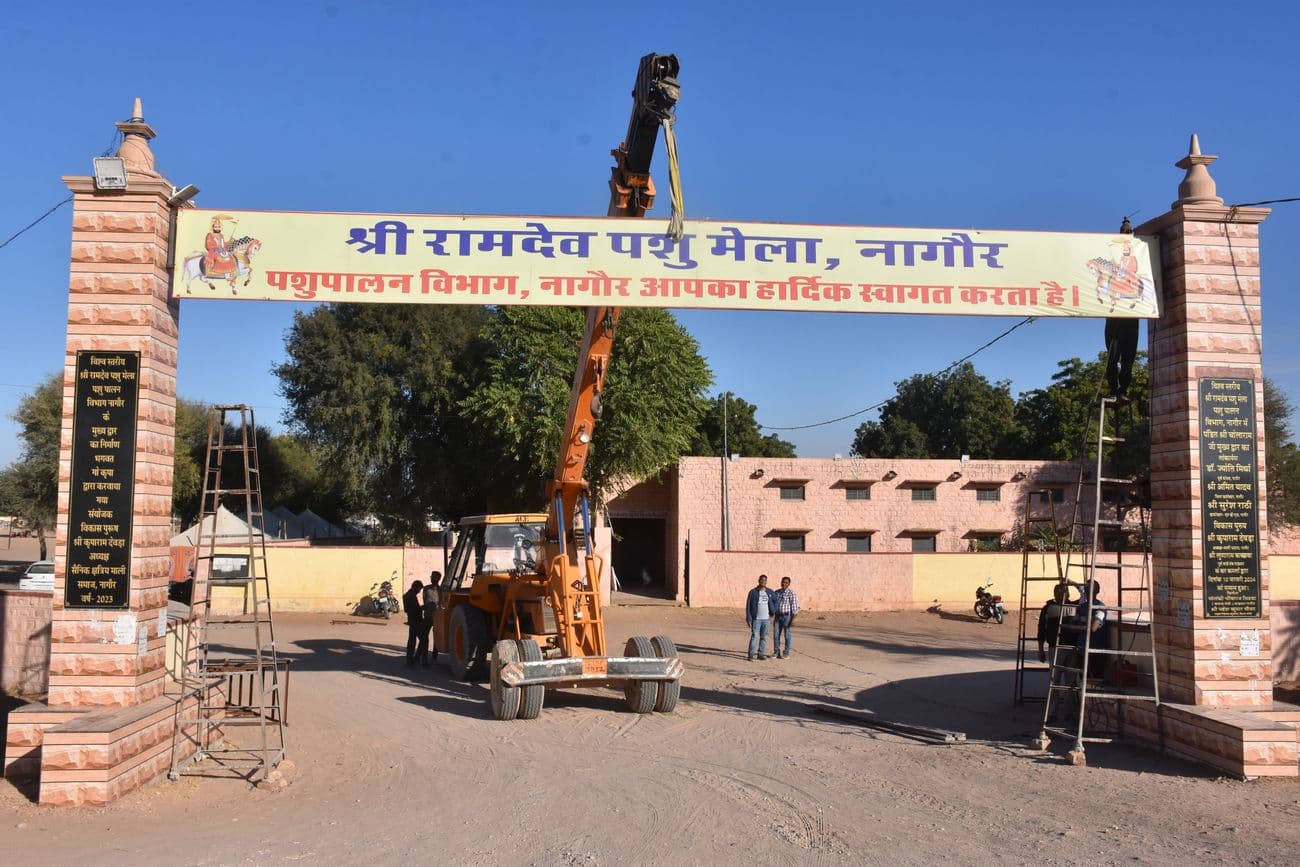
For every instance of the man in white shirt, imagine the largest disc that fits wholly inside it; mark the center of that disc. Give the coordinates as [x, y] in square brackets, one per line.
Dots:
[759, 607]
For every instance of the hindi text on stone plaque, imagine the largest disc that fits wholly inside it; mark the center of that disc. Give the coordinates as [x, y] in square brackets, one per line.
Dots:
[1229, 498]
[102, 484]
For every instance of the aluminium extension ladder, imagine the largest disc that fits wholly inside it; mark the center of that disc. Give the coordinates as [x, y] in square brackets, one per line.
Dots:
[239, 684]
[1041, 536]
[1128, 671]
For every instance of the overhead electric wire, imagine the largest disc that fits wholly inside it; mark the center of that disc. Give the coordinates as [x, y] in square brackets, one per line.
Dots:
[879, 404]
[15, 235]
[1265, 202]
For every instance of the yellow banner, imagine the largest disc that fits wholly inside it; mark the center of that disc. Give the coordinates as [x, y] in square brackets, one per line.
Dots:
[380, 258]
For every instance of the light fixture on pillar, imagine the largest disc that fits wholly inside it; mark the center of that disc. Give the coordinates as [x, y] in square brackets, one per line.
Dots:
[182, 195]
[110, 173]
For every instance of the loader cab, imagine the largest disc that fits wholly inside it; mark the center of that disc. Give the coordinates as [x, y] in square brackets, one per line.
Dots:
[489, 551]
[493, 544]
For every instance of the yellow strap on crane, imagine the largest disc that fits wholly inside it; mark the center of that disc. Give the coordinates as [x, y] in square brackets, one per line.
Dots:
[676, 222]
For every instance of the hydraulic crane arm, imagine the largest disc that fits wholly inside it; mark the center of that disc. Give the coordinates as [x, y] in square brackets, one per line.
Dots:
[654, 97]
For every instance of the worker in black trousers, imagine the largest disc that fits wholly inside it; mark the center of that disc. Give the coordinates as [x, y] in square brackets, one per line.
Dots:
[1121, 350]
[417, 637]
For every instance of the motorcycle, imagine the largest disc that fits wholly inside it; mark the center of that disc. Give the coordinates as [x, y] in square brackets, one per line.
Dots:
[988, 606]
[383, 600]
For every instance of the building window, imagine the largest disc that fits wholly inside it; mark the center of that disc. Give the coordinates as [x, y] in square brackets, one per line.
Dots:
[857, 544]
[1056, 495]
[988, 495]
[792, 492]
[858, 493]
[986, 542]
[924, 544]
[925, 493]
[792, 543]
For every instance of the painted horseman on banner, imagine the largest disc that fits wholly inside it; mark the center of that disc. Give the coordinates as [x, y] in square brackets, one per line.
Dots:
[222, 259]
[1118, 280]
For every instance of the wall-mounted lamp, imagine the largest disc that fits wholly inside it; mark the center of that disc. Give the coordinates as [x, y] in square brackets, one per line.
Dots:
[758, 473]
[955, 476]
[110, 173]
[1018, 477]
[889, 475]
[584, 436]
[182, 195]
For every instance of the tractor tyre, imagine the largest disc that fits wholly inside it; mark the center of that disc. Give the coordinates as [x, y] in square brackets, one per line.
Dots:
[469, 642]
[534, 694]
[669, 690]
[505, 698]
[641, 695]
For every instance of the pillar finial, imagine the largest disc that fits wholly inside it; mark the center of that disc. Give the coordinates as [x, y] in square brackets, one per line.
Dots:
[1197, 188]
[134, 150]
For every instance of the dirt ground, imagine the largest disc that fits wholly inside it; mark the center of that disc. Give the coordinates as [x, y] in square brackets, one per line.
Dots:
[400, 765]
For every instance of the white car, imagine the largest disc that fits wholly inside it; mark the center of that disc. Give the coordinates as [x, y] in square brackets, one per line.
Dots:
[39, 576]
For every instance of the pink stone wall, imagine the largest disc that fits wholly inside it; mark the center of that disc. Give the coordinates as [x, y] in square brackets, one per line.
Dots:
[417, 563]
[1284, 616]
[824, 582]
[25, 641]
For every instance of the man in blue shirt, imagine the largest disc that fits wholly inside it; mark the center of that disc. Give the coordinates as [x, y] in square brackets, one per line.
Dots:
[759, 609]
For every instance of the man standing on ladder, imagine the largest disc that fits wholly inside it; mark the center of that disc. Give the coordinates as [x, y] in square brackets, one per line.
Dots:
[1121, 350]
[1121, 346]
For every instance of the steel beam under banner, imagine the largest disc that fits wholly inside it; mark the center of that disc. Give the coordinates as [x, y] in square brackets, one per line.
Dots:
[387, 258]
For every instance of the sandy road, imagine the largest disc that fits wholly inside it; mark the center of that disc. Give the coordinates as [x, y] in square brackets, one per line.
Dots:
[400, 764]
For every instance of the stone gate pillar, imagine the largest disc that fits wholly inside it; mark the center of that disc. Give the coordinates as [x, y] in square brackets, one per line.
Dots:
[1209, 519]
[106, 727]
[119, 302]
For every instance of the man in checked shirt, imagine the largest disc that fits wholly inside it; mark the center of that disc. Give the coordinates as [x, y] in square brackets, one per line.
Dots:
[787, 607]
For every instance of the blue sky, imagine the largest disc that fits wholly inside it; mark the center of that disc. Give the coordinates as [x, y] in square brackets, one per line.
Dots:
[953, 115]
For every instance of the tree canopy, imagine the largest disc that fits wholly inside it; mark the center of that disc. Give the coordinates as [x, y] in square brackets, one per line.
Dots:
[652, 405]
[376, 388]
[744, 435]
[29, 487]
[440, 411]
[1281, 457]
[1053, 421]
[942, 415]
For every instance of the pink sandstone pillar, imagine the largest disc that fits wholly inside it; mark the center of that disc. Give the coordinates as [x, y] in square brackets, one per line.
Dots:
[1214, 648]
[119, 302]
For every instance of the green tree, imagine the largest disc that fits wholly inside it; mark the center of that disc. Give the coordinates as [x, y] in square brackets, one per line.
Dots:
[377, 389]
[291, 468]
[189, 451]
[30, 486]
[1052, 421]
[942, 415]
[654, 397]
[744, 434]
[1281, 457]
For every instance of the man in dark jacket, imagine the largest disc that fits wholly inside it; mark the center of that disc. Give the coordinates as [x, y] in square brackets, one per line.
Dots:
[760, 607]
[417, 637]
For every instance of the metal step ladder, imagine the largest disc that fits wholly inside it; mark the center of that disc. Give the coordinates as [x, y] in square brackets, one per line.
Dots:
[232, 679]
[1042, 539]
[1088, 684]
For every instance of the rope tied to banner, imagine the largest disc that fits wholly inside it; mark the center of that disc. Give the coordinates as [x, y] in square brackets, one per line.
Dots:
[677, 221]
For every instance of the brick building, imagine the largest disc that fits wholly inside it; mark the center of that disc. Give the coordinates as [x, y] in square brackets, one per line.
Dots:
[854, 506]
